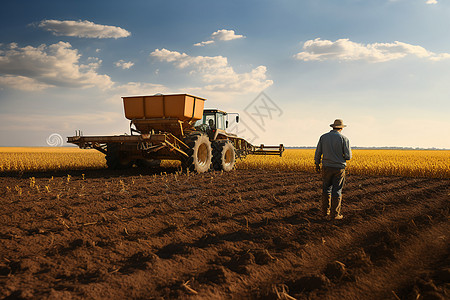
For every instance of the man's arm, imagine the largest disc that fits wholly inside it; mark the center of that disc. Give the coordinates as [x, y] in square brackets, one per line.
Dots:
[347, 150]
[318, 154]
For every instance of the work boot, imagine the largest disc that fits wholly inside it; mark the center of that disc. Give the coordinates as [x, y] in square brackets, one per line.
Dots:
[335, 212]
[325, 205]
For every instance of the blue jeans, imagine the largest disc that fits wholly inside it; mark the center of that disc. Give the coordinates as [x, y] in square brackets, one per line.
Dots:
[333, 181]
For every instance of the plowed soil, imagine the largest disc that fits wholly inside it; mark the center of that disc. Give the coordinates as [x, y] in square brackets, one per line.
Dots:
[246, 234]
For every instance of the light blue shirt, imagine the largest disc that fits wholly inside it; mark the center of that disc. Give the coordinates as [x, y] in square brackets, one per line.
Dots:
[335, 149]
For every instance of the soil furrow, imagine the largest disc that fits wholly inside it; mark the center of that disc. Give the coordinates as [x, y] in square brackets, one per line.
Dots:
[144, 235]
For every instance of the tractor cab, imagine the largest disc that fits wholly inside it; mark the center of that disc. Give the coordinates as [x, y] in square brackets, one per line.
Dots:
[215, 122]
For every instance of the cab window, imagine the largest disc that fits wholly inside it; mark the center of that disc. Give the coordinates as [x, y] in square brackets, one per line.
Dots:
[217, 120]
[220, 121]
[208, 120]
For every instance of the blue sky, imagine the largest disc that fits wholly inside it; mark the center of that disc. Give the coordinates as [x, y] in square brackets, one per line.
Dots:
[382, 66]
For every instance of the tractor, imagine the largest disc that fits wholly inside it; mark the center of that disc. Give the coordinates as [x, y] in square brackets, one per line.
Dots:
[174, 127]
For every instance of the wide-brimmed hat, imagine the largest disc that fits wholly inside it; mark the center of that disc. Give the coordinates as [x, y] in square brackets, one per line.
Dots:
[338, 123]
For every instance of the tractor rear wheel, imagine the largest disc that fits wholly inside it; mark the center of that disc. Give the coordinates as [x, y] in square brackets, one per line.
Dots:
[199, 153]
[224, 155]
[115, 159]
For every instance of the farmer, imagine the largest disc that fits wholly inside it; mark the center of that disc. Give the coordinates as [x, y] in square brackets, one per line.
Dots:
[333, 150]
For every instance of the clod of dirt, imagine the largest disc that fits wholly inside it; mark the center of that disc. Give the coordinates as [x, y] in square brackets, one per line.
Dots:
[139, 260]
[381, 245]
[239, 262]
[172, 249]
[280, 243]
[381, 252]
[217, 274]
[206, 240]
[358, 259]
[170, 228]
[76, 244]
[335, 270]
[29, 265]
[263, 257]
[4, 270]
[311, 283]
[247, 258]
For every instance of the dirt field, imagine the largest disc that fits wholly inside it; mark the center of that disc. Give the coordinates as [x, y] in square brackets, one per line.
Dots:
[246, 234]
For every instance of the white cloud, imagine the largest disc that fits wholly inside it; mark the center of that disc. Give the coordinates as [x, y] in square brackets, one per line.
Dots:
[22, 83]
[46, 66]
[226, 35]
[431, 2]
[182, 60]
[346, 50]
[83, 29]
[216, 72]
[201, 44]
[140, 88]
[221, 35]
[123, 64]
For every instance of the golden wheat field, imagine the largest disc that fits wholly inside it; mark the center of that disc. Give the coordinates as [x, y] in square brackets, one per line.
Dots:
[47, 158]
[410, 163]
